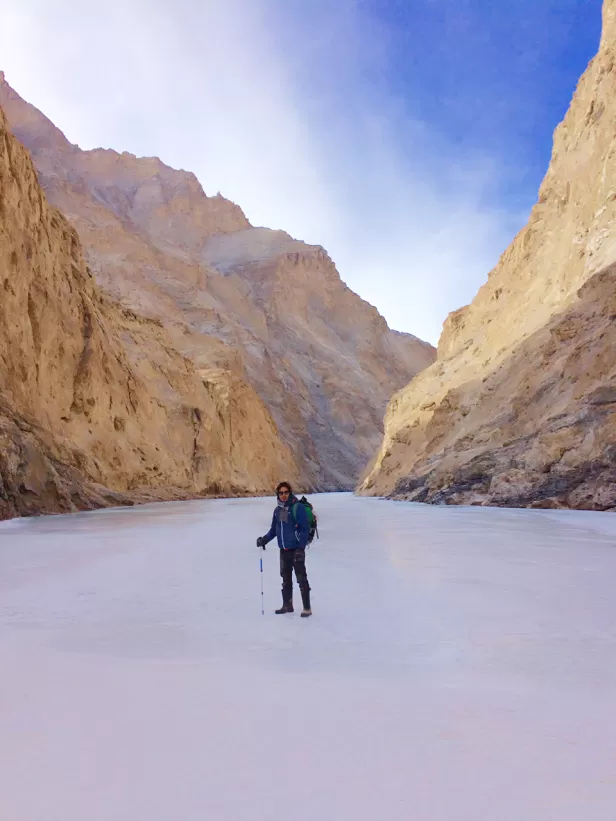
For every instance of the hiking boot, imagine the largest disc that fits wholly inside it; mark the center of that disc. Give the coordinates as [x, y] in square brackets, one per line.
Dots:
[287, 607]
[307, 611]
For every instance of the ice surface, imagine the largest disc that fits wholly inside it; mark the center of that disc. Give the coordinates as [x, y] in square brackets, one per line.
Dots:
[460, 664]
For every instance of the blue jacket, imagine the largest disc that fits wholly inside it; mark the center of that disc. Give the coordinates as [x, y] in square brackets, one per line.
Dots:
[292, 533]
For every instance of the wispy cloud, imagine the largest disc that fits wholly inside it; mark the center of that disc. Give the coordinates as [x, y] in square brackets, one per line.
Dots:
[286, 109]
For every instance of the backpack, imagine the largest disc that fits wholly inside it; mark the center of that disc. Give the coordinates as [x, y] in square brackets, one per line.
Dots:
[312, 517]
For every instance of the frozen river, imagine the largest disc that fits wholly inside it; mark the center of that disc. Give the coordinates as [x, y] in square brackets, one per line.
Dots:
[460, 666]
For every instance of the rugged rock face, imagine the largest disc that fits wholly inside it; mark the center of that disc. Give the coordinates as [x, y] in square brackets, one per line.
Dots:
[324, 357]
[519, 407]
[96, 404]
[257, 303]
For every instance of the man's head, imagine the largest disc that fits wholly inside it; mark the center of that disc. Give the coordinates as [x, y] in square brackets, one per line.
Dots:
[284, 491]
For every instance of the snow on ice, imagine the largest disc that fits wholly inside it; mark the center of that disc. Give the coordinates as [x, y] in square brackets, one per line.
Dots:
[460, 666]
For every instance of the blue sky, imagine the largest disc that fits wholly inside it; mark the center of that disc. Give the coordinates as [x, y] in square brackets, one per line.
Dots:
[489, 78]
[495, 77]
[409, 137]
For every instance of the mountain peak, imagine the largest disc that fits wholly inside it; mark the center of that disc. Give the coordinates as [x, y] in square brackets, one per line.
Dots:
[168, 205]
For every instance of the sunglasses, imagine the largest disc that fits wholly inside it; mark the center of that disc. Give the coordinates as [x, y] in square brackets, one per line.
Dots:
[284, 493]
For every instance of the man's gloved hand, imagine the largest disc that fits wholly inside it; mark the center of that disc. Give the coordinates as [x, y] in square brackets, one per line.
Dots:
[261, 542]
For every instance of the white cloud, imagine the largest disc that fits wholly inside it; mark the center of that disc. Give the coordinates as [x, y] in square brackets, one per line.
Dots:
[279, 114]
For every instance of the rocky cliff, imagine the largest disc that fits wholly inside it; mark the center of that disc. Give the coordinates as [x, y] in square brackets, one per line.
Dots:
[519, 408]
[97, 406]
[269, 309]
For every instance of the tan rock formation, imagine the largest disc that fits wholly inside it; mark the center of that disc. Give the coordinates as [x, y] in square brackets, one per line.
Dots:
[256, 302]
[516, 410]
[96, 404]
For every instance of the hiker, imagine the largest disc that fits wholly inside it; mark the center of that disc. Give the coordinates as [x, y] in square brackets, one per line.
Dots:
[291, 525]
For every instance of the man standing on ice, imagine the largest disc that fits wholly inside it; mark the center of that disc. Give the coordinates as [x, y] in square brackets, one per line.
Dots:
[290, 524]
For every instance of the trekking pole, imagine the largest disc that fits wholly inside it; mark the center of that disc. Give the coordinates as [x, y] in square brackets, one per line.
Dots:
[262, 605]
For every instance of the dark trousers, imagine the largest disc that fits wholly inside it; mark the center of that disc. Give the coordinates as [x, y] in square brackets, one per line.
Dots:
[294, 559]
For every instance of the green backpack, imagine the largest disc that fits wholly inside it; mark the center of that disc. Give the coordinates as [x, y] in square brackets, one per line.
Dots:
[312, 517]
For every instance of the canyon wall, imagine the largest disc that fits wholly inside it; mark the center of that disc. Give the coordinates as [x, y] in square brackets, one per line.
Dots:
[97, 405]
[252, 301]
[519, 407]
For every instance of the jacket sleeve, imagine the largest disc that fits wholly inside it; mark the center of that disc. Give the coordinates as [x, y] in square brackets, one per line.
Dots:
[301, 523]
[272, 531]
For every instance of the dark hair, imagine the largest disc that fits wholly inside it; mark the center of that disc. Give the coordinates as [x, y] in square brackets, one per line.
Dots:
[280, 487]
